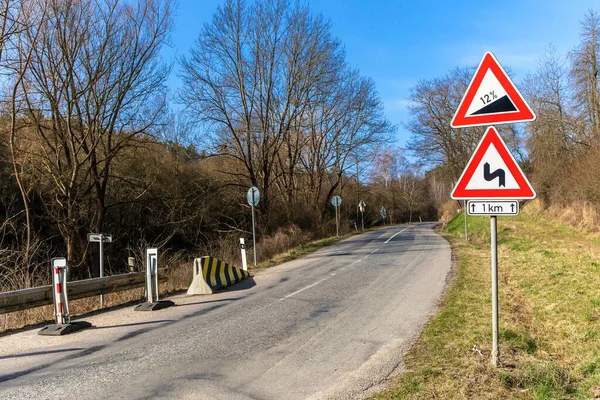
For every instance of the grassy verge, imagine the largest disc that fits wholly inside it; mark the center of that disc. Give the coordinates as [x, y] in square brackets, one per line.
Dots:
[549, 296]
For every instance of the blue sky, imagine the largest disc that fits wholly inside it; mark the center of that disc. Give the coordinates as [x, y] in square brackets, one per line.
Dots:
[399, 42]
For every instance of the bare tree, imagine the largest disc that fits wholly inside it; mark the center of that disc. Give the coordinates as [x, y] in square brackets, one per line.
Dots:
[271, 80]
[18, 19]
[433, 140]
[95, 84]
[585, 70]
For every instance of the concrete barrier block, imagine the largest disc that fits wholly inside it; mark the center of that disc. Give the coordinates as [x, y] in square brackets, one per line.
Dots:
[212, 274]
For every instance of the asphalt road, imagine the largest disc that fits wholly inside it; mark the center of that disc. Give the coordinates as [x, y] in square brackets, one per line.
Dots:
[332, 325]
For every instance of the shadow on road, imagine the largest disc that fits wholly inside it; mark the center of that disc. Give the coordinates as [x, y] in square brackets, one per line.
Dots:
[39, 353]
[206, 302]
[132, 324]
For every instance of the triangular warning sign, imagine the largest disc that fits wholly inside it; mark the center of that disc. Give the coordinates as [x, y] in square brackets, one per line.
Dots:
[491, 98]
[492, 173]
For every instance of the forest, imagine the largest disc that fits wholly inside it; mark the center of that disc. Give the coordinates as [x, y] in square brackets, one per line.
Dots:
[92, 139]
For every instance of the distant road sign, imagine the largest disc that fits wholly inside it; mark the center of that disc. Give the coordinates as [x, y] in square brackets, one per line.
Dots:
[492, 173]
[253, 196]
[362, 206]
[336, 201]
[491, 98]
[99, 237]
[493, 207]
[383, 212]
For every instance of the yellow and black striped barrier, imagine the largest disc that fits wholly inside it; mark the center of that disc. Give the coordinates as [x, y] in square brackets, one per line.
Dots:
[211, 274]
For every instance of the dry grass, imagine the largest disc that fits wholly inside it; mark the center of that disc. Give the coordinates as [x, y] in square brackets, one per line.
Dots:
[549, 317]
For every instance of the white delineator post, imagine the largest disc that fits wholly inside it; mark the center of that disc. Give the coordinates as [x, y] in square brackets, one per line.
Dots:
[243, 249]
[152, 275]
[59, 281]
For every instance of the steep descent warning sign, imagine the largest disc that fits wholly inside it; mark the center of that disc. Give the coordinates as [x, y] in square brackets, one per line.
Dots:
[492, 173]
[491, 98]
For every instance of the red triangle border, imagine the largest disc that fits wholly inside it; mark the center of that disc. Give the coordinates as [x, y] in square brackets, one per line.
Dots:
[524, 113]
[492, 137]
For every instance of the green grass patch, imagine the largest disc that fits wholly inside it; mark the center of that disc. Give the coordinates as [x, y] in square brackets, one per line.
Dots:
[549, 301]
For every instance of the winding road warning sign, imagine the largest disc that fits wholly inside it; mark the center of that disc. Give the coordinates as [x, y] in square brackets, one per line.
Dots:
[491, 98]
[492, 173]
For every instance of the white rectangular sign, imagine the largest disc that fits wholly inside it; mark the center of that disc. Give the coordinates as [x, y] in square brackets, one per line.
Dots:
[95, 237]
[492, 207]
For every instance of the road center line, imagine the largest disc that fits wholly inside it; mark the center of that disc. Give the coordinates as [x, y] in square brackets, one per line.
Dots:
[397, 233]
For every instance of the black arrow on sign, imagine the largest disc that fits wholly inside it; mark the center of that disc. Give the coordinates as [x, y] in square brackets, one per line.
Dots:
[512, 208]
[472, 208]
[499, 173]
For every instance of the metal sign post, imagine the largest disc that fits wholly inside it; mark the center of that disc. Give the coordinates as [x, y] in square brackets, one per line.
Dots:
[494, 245]
[100, 238]
[383, 213]
[465, 212]
[361, 207]
[253, 197]
[336, 201]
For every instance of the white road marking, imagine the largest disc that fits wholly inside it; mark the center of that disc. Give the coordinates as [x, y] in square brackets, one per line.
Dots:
[304, 288]
[342, 269]
[397, 233]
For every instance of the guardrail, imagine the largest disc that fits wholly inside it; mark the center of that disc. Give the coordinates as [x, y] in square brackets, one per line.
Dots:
[41, 296]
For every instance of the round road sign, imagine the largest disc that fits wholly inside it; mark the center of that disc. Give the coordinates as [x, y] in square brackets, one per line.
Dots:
[253, 196]
[336, 201]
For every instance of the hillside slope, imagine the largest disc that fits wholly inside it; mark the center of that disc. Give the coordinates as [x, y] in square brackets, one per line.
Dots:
[549, 296]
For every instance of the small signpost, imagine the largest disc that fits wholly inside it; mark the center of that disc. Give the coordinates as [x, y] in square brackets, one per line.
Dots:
[361, 208]
[253, 197]
[492, 181]
[336, 201]
[100, 238]
[383, 213]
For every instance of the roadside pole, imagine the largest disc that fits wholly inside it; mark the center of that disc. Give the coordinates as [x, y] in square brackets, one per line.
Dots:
[336, 201]
[361, 208]
[253, 197]
[494, 245]
[465, 212]
[100, 238]
[337, 223]
[101, 243]
[253, 231]
[362, 220]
